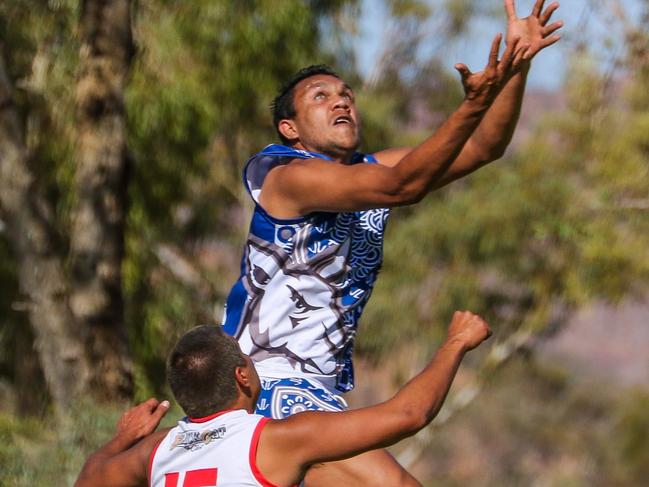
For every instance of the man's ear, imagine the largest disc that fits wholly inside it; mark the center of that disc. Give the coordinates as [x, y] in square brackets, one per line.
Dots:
[288, 129]
[242, 376]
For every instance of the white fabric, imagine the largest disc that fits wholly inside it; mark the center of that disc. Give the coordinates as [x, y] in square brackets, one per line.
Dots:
[219, 446]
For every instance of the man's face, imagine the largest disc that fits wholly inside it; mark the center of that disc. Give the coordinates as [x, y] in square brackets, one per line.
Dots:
[326, 119]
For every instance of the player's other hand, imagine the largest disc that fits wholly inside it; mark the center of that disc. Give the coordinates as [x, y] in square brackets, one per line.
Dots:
[141, 420]
[469, 329]
[483, 87]
[534, 30]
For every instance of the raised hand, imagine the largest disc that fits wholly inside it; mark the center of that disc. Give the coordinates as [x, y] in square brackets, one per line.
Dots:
[483, 86]
[533, 30]
[141, 420]
[468, 328]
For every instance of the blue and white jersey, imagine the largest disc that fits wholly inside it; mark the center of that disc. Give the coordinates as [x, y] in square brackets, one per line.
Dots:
[304, 282]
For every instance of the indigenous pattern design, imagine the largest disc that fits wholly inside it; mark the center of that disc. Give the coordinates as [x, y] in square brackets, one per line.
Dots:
[280, 398]
[304, 283]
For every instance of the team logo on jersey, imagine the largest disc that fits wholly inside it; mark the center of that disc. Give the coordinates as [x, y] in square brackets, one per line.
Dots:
[315, 319]
[195, 440]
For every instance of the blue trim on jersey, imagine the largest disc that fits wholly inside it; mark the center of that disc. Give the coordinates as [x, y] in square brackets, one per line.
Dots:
[234, 307]
[287, 221]
[262, 228]
[285, 151]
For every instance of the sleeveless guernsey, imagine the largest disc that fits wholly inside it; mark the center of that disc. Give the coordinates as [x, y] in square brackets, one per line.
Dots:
[219, 450]
[304, 282]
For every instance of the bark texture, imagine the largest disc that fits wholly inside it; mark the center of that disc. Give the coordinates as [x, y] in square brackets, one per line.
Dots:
[97, 239]
[30, 229]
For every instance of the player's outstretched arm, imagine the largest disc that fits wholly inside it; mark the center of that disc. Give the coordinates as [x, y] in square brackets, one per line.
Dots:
[122, 462]
[288, 447]
[309, 185]
[494, 133]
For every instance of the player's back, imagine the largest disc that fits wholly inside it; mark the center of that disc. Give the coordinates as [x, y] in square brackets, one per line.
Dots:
[216, 450]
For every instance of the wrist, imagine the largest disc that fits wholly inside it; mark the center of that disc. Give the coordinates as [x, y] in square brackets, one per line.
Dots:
[456, 344]
[122, 440]
[473, 107]
[523, 70]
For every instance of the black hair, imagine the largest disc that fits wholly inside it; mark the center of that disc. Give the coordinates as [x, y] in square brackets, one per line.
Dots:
[283, 106]
[201, 368]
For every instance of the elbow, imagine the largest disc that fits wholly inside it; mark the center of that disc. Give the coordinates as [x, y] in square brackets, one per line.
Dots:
[403, 193]
[414, 420]
[493, 154]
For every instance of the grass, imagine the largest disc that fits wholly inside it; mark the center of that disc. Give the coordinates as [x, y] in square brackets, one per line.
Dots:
[34, 453]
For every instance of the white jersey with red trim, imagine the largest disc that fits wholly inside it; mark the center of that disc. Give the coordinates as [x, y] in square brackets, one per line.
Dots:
[219, 450]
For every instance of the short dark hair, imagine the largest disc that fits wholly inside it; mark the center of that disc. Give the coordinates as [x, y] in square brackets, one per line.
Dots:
[283, 106]
[201, 368]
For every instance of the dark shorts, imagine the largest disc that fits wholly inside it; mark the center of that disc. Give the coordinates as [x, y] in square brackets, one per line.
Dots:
[280, 398]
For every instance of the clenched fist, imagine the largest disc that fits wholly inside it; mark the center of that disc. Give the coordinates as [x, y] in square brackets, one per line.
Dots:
[469, 329]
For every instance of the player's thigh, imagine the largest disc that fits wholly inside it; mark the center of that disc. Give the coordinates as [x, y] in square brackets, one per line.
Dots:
[375, 467]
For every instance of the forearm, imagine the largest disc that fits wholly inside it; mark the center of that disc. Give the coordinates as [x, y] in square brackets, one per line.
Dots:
[422, 397]
[92, 469]
[422, 167]
[495, 131]
[412, 408]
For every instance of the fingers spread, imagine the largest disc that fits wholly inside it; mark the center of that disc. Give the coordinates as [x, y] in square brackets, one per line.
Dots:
[524, 52]
[548, 41]
[538, 7]
[463, 70]
[493, 55]
[551, 28]
[510, 8]
[544, 18]
[508, 55]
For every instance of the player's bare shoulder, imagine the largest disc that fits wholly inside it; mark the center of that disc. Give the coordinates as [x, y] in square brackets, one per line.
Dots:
[391, 157]
[284, 184]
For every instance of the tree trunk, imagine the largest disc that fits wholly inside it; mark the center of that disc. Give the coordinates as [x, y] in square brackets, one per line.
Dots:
[32, 397]
[97, 239]
[30, 229]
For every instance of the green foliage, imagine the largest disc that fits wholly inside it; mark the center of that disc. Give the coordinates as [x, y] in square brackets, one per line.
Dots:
[559, 222]
[632, 434]
[516, 240]
[536, 424]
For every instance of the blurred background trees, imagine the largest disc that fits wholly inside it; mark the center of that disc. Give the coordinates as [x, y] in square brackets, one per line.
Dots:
[123, 131]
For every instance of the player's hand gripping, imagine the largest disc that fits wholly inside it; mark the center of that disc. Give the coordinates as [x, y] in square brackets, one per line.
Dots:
[469, 329]
[141, 420]
[533, 30]
[483, 87]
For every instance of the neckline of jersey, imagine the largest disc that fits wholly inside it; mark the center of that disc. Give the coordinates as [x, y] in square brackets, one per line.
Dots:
[205, 419]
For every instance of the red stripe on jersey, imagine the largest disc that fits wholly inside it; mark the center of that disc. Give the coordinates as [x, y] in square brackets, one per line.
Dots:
[205, 419]
[254, 442]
